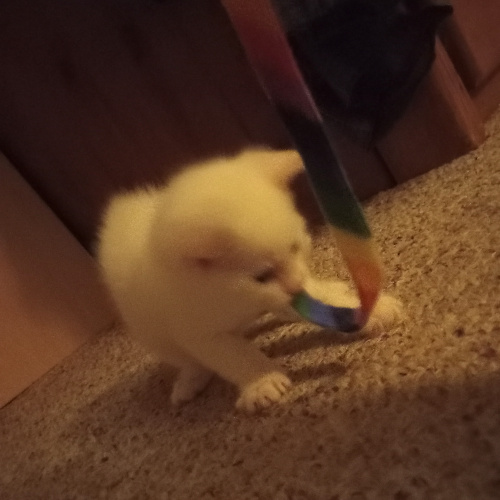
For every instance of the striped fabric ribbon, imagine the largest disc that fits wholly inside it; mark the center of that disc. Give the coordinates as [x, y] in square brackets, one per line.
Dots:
[265, 42]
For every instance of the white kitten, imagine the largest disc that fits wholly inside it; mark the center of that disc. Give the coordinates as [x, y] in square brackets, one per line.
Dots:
[193, 263]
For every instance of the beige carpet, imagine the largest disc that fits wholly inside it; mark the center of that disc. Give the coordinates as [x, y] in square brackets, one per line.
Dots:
[412, 414]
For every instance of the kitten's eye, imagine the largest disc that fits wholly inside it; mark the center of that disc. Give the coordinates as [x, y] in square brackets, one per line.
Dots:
[266, 275]
[204, 263]
[295, 247]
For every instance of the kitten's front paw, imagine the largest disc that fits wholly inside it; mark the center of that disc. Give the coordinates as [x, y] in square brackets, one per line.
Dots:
[188, 385]
[263, 392]
[387, 312]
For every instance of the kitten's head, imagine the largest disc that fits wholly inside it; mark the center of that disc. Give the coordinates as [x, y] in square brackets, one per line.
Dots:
[231, 225]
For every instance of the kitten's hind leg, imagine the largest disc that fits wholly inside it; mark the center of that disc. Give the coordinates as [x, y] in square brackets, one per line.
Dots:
[191, 380]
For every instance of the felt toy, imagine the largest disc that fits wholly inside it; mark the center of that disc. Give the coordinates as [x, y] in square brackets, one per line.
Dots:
[343, 319]
[268, 49]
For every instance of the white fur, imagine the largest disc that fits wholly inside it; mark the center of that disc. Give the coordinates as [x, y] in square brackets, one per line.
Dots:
[191, 264]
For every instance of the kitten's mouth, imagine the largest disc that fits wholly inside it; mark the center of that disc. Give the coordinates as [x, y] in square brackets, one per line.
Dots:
[293, 289]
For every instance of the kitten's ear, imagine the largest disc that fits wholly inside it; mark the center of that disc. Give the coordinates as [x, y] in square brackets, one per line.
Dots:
[279, 166]
[284, 166]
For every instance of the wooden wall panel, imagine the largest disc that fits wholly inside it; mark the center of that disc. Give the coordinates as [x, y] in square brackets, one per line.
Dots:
[440, 124]
[472, 37]
[51, 297]
[487, 99]
[98, 95]
[367, 171]
[218, 56]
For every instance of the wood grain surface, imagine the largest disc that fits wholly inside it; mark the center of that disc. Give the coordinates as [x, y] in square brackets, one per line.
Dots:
[51, 296]
[98, 96]
[472, 37]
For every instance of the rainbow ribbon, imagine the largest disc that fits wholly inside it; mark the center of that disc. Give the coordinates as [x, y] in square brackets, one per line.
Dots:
[267, 49]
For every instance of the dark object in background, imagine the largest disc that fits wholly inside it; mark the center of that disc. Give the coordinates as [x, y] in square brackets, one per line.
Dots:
[363, 59]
